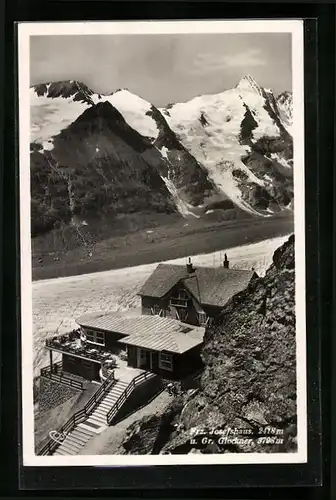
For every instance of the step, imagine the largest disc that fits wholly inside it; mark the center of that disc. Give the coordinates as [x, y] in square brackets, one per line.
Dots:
[100, 413]
[100, 422]
[97, 418]
[68, 451]
[75, 443]
[111, 400]
[60, 452]
[108, 403]
[70, 447]
[79, 440]
[114, 393]
[118, 387]
[105, 407]
[81, 436]
[84, 430]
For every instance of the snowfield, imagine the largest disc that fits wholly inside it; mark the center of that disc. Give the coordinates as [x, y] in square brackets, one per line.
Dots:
[134, 109]
[49, 117]
[58, 302]
[209, 126]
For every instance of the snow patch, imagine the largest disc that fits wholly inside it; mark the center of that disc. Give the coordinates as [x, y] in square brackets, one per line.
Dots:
[164, 152]
[182, 206]
[280, 159]
[48, 117]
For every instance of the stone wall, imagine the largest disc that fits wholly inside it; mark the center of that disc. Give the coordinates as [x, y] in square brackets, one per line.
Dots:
[52, 394]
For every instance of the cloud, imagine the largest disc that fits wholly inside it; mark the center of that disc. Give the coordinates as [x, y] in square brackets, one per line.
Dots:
[211, 62]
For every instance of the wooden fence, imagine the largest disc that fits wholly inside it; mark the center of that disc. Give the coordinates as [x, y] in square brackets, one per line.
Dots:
[55, 373]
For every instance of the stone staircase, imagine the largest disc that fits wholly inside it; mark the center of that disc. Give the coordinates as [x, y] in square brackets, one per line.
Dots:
[94, 424]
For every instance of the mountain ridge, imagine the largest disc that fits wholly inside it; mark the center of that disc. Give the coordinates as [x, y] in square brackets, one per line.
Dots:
[220, 152]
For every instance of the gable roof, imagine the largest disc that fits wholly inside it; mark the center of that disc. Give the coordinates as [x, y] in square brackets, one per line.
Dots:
[163, 340]
[211, 286]
[151, 332]
[162, 279]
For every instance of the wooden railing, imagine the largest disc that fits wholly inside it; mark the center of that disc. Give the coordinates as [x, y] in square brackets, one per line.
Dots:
[176, 302]
[78, 417]
[55, 373]
[125, 395]
[65, 343]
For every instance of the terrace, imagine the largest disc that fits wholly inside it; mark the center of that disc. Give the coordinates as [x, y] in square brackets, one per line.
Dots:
[71, 343]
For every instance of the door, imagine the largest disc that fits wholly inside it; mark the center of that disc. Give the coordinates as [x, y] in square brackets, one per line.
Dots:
[144, 359]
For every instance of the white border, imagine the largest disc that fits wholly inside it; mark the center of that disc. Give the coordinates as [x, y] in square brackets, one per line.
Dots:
[25, 30]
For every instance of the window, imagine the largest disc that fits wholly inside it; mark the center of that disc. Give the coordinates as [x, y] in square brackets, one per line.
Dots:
[182, 294]
[186, 330]
[158, 311]
[166, 361]
[202, 318]
[95, 337]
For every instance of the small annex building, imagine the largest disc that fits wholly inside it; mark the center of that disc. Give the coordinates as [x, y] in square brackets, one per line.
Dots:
[164, 346]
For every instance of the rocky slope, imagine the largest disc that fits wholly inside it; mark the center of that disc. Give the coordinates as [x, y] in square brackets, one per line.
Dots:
[249, 381]
[285, 106]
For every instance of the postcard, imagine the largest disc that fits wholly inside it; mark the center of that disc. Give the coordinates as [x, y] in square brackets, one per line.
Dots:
[162, 242]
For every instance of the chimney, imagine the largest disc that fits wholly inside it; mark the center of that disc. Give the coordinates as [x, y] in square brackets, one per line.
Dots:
[190, 268]
[226, 262]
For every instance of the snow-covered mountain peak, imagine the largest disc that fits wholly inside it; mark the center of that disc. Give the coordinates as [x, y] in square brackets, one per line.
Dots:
[233, 145]
[249, 83]
[135, 110]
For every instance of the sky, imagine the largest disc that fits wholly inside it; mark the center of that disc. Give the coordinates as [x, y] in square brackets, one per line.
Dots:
[163, 68]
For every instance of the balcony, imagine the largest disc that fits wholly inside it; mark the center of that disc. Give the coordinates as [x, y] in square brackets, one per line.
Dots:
[72, 344]
[177, 302]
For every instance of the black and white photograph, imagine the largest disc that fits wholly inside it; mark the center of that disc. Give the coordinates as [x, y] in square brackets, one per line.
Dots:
[162, 242]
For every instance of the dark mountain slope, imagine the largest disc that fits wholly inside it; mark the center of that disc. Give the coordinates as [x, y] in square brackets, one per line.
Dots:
[96, 170]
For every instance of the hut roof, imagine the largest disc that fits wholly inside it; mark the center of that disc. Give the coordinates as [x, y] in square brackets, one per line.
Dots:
[209, 285]
[151, 332]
